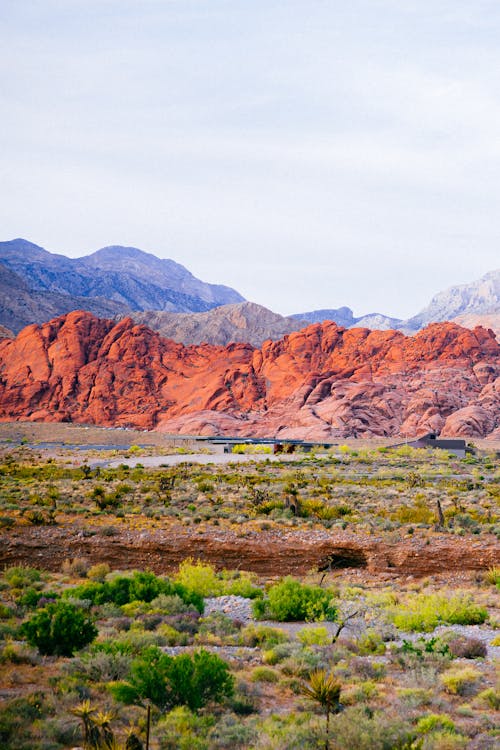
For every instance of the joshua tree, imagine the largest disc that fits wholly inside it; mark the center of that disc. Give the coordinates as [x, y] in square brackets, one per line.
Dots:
[324, 689]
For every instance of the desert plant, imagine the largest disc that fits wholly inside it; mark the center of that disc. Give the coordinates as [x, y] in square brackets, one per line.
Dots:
[264, 674]
[324, 689]
[460, 680]
[291, 600]
[311, 636]
[467, 648]
[59, 628]
[182, 680]
[199, 577]
[424, 612]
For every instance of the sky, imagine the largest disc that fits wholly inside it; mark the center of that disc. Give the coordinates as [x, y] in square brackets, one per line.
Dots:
[309, 153]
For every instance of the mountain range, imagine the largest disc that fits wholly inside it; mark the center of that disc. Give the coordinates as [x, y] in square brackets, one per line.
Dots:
[111, 281]
[116, 281]
[323, 382]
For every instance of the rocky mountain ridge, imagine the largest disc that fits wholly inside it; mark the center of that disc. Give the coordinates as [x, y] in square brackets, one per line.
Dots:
[458, 303]
[117, 279]
[243, 322]
[323, 382]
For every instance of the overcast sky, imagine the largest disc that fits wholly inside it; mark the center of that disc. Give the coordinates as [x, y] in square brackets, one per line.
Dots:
[309, 153]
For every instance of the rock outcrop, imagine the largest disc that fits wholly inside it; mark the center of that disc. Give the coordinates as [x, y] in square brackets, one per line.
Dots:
[321, 382]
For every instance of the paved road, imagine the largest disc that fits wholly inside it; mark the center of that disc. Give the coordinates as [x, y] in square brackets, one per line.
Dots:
[197, 458]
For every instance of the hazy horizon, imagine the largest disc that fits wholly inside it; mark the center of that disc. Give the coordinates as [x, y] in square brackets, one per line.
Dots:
[309, 155]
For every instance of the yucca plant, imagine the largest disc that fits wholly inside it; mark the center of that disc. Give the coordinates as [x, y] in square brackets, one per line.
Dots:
[324, 689]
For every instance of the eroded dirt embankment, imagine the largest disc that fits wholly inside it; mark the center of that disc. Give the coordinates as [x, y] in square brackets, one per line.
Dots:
[268, 553]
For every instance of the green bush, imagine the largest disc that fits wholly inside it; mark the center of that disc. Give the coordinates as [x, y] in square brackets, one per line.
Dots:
[21, 576]
[264, 674]
[262, 635]
[432, 722]
[181, 729]
[182, 680]
[459, 681]
[141, 586]
[371, 643]
[59, 629]
[200, 577]
[204, 580]
[318, 636]
[290, 600]
[424, 612]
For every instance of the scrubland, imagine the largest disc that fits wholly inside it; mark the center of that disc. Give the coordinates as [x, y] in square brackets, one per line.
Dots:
[357, 649]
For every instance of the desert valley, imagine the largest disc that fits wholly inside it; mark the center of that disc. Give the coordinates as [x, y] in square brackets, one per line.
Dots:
[217, 529]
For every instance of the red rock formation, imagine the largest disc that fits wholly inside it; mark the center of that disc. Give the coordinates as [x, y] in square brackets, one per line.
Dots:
[321, 382]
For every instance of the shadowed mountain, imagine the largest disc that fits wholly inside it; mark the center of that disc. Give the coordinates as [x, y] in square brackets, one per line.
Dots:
[20, 305]
[125, 276]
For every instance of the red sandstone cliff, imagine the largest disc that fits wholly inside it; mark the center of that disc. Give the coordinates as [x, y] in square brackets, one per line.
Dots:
[321, 382]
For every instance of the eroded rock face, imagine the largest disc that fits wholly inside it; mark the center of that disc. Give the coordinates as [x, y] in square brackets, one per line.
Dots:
[318, 383]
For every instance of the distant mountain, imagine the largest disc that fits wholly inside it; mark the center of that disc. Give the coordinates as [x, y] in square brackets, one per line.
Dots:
[467, 304]
[477, 298]
[344, 316]
[20, 305]
[111, 281]
[243, 322]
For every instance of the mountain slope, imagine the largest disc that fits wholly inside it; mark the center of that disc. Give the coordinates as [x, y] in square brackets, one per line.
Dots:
[463, 304]
[344, 316]
[20, 305]
[131, 277]
[243, 322]
[322, 382]
[477, 298]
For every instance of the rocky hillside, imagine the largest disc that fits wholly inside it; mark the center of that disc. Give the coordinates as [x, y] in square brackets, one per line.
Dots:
[21, 305]
[243, 322]
[344, 316]
[478, 298]
[321, 382]
[465, 304]
[123, 278]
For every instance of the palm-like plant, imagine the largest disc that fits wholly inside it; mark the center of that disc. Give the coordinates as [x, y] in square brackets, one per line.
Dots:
[324, 689]
[86, 712]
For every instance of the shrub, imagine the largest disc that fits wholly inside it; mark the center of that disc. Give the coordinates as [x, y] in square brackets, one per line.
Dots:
[314, 636]
[262, 635]
[491, 697]
[467, 648]
[264, 674]
[358, 729]
[423, 646]
[140, 586]
[78, 566]
[424, 612]
[181, 729]
[21, 576]
[371, 643]
[459, 681]
[182, 680]
[492, 576]
[199, 577]
[98, 572]
[444, 740]
[435, 721]
[290, 600]
[60, 629]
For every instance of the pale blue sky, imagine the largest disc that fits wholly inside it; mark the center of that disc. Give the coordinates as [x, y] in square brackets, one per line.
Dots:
[309, 153]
